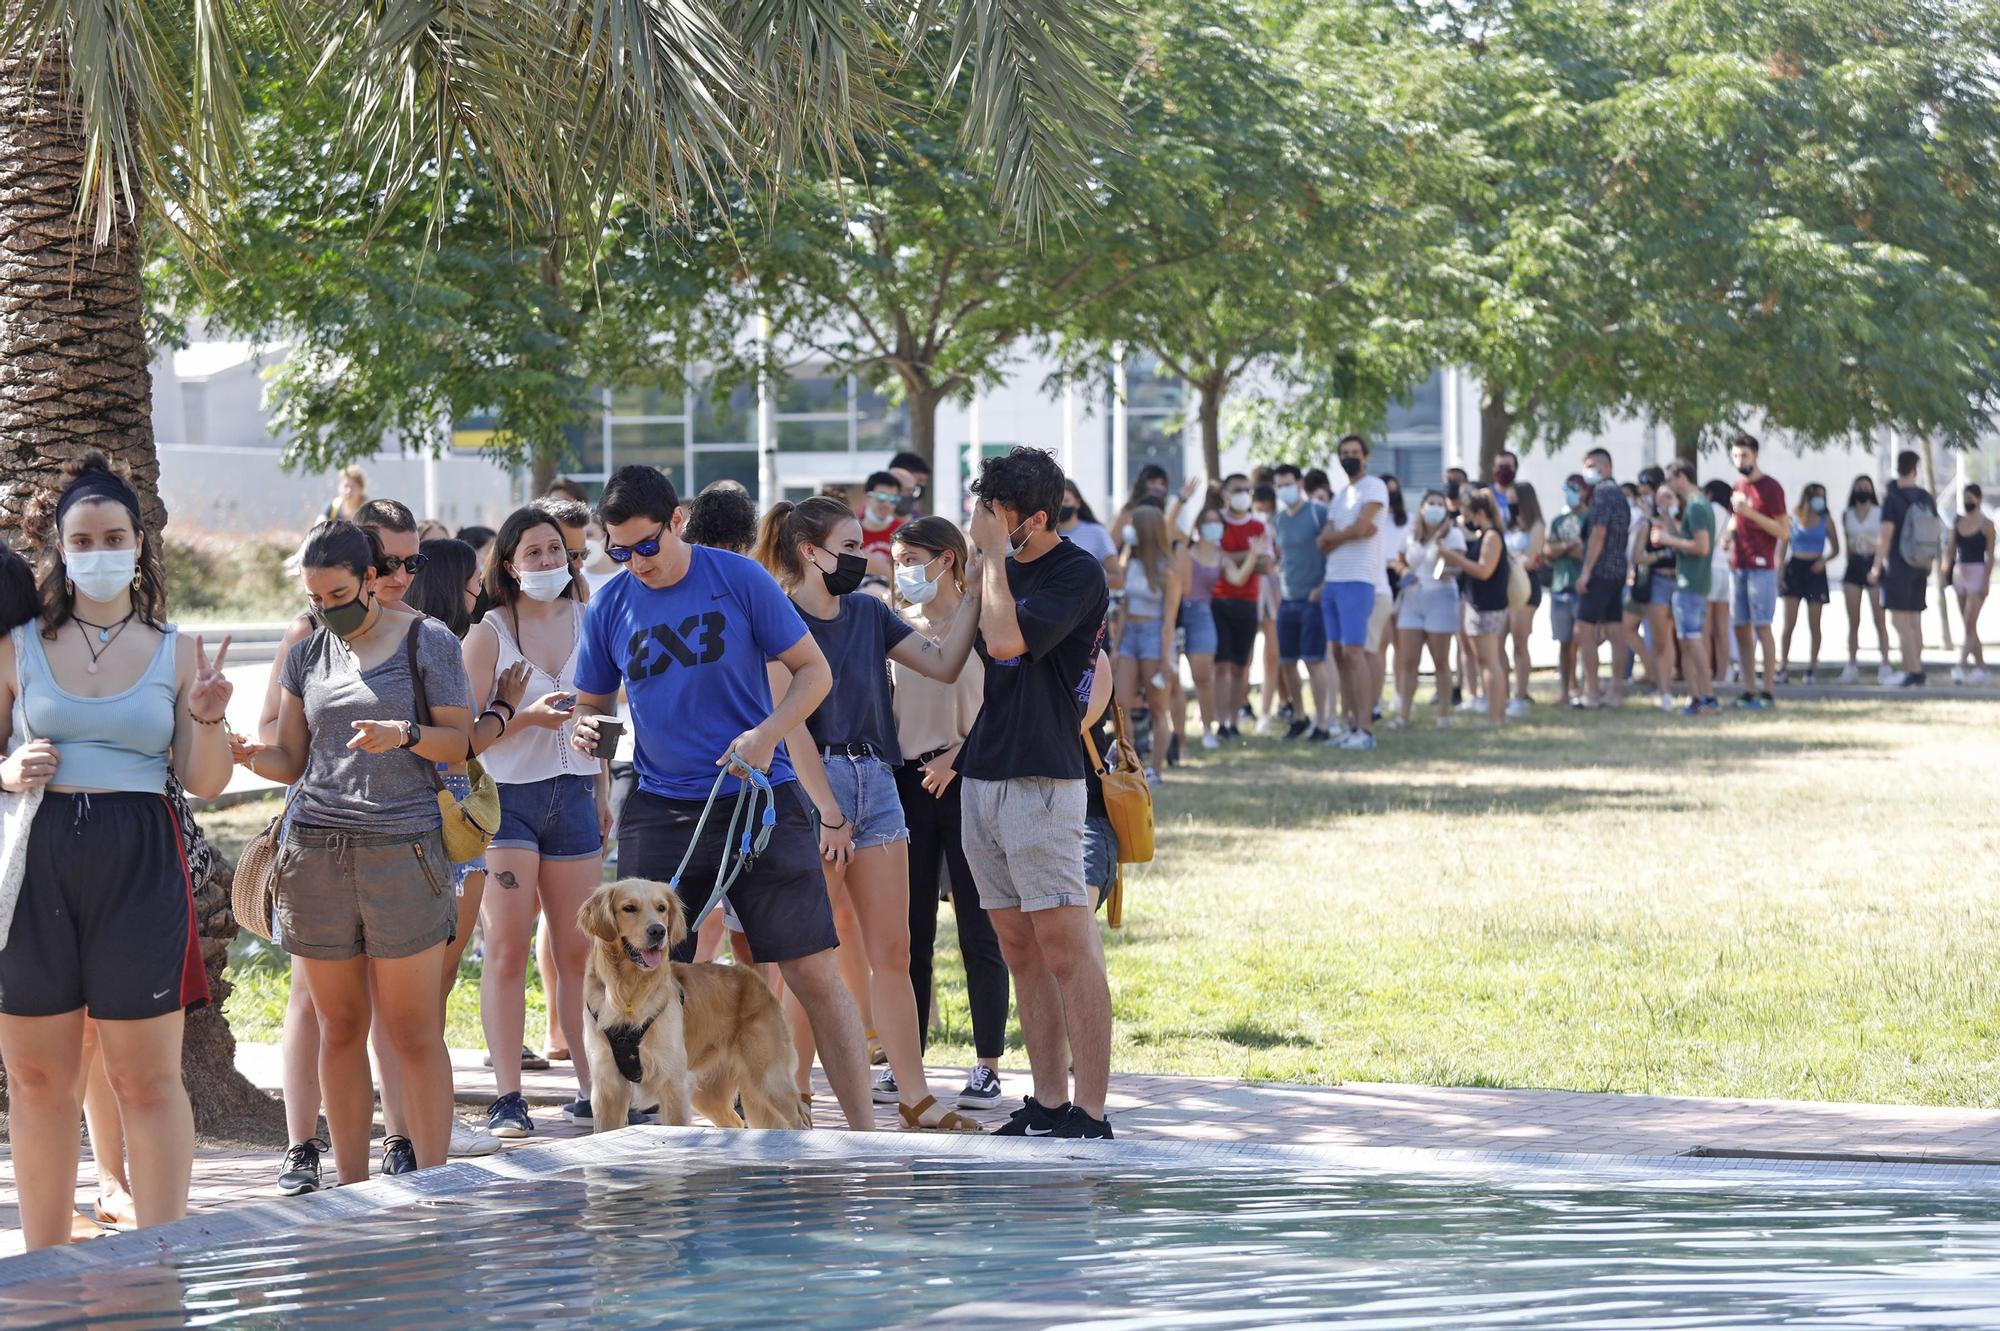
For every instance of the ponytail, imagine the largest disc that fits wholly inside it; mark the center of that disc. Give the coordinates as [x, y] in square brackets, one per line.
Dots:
[771, 552]
[789, 524]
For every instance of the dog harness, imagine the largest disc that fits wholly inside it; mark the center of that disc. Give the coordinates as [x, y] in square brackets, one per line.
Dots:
[625, 1040]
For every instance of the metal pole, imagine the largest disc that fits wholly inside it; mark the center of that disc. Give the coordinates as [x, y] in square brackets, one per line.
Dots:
[1121, 457]
[769, 491]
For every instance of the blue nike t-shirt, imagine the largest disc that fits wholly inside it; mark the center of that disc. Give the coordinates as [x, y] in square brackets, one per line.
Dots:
[691, 658]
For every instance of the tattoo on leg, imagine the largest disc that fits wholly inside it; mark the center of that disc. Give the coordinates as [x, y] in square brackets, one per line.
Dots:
[507, 880]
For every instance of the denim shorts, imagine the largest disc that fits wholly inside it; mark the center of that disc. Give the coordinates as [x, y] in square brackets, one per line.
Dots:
[460, 785]
[1562, 616]
[1139, 640]
[1756, 597]
[1100, 853]
[1429, 609]
[556, 818]
[866, 790]
[1345, 610]
[1197, 623]
[1663, 588]
[1690, 613]
[1301, 632]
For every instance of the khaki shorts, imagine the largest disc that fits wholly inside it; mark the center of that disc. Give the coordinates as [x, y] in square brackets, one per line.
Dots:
[1023, 841]
[1378, 619]
[350, 894]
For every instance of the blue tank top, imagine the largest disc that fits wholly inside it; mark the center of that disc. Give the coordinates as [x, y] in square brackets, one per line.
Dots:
[1809, 542]
[117, 743]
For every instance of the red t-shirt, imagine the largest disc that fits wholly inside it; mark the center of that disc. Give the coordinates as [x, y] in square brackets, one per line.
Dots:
[882, 539]
[1236, 538]
[1755, 547]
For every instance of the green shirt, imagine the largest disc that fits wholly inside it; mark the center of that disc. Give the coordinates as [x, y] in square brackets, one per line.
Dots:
[1691, 572]
[1563, 572]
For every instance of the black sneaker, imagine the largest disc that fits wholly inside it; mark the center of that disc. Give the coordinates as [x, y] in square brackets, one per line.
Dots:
[301, 1172]
[1319, 735]
[507, 1117]
[1768, 700]
[1079, 1124]
[982, 1088]
[1033, 1119]
[398, 1156]
[1297, 728]
[1173, 751]
[1912, 681]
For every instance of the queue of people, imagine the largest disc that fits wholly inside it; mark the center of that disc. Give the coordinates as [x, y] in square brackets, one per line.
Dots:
[1680, 579]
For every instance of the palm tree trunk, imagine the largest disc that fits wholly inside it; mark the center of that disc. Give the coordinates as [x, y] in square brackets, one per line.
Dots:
[73, 376]
[73, 363]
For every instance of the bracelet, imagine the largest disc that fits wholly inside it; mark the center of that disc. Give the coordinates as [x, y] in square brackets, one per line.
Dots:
[198, 721]
[501, 702]
[496, 716]
[832, 827]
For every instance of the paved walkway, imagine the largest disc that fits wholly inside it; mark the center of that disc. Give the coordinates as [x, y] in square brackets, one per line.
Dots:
[1362, 1114]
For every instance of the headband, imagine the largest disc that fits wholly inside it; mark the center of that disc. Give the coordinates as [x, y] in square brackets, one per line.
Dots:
[98, 484]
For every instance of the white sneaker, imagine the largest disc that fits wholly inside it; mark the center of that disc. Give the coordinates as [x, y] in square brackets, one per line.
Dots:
[1336, 733]
[1889, 675]
[1978, 675]
[465, 1141]
[1958, 674]
[1266, 724]
[1666, 702]
[1358, 741]
[1209, 741]
[1517, 708]
[1851, 675]
[1471, 704]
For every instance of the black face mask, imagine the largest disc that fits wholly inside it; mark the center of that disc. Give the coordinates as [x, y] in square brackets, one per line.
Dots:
[1864, 497]
[848, 571]
[1352, 466]
[343, 621]
[1745, 471]
[1451, 491]
[1066, 512]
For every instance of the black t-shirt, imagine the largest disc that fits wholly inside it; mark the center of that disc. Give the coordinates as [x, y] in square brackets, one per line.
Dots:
[1488, 593]
[856, 643]
[1896, 507]
[1028, 723]
[1093, 781]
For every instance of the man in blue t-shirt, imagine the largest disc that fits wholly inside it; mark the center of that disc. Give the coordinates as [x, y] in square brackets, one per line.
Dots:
[1301, 627]
[687, 635]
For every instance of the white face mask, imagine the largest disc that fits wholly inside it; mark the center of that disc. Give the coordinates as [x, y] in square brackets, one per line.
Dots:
[1434, 514]
[101, 574]
[1288, 495]
[543, 584]
[914, 586]
[1591, 476]
[1211, 532]
[1239, 501]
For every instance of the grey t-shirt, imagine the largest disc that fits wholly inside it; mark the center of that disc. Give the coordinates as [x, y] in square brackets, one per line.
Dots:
[856, 643]
[370, 792]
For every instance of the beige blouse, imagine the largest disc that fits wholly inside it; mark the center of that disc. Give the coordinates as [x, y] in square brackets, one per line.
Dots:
[930, 715]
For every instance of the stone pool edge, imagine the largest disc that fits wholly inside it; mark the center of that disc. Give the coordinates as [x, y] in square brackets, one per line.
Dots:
[629, 1146]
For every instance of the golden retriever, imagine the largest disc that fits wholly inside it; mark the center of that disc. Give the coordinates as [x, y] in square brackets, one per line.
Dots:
[686, 1037]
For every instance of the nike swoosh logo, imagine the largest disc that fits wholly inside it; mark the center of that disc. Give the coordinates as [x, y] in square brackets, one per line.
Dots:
[163, 993]
[1041, 1132]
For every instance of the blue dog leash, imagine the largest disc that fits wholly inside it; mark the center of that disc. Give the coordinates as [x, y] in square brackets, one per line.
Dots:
[749, 831]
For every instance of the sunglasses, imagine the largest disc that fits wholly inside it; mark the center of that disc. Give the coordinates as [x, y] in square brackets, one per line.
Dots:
[578, 556]
[882, 498]
[390, 563]
[622, 554]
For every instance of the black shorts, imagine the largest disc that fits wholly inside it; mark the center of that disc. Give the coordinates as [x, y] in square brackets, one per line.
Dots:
[1603, 602]
[1903, 588]
[780, 899]
[1235, 630]
[105, 919]
[1802, 582]
[1856, 572]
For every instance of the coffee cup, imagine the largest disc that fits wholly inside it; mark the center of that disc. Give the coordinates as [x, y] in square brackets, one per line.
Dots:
[609, 730]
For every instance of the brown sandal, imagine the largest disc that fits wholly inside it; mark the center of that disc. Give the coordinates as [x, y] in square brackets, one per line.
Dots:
[913, 1119]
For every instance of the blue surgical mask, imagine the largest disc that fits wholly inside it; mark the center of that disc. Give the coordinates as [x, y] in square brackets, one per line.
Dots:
[1591, 476]
[1013, 550]
[1288, 495]
[1211, 532]
[1434, 514]
[1818, 504]
[915, 585]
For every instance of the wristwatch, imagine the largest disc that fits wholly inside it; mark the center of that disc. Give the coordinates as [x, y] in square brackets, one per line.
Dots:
[411, 736]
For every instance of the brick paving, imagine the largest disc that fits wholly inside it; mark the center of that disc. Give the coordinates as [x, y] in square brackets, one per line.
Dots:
[1217, 1109]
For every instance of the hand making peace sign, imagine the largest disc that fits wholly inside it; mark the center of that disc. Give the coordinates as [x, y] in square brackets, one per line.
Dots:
[208, 700]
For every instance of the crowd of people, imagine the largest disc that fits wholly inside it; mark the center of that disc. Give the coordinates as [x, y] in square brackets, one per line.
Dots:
[914, 694]
[1349, 588]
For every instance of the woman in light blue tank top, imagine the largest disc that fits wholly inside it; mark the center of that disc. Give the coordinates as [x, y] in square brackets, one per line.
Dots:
[101, 697]
[1814, 541]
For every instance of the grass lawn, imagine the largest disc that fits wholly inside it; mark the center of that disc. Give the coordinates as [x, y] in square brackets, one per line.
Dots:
[1795, 905]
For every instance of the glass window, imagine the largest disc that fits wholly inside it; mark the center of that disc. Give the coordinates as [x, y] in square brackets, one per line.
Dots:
[1150, 386]
[730, 419]
[880, 423]
[648, 402]
[728, 464]
[1148, 439]
[812, 436]
[655, 445]
[812, 393]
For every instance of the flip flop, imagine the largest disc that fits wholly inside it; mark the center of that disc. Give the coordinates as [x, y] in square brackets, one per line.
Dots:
[952, 1122]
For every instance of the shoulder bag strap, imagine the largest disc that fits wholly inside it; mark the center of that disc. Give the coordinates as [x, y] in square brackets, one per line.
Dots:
[1090, 747]
[422, 700]
[1126, 748]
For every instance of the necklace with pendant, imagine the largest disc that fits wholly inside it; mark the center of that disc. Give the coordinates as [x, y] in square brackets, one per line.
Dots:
[106, 635]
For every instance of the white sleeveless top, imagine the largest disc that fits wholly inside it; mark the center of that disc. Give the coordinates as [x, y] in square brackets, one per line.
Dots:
[528, 755]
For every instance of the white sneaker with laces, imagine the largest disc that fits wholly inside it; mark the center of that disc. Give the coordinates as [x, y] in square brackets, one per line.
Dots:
[1517, 708]
[1851, 675]
[1979, 675]
[1357, 741]
[1889, 675]
[465, 1141]
[1209, 741]
[1266, 724]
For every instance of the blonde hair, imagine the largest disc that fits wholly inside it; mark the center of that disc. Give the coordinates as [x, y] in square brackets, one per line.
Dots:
[355, 474]
[1149, 524]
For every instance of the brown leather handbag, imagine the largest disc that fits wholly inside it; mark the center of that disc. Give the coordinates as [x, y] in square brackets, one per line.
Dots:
[1128, 799]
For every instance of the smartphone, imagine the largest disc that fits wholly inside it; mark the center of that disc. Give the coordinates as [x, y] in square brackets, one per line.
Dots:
[566, 703]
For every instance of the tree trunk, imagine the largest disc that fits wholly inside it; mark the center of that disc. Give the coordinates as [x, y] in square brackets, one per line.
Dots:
[74, 376]
[1687, 440]
[73, 372]
[923, 404]
[1496, 422]
[1209, 413]
[549, 454]
[541, 475]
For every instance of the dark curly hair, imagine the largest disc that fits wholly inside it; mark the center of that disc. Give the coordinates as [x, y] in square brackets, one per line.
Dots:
[149, 598]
